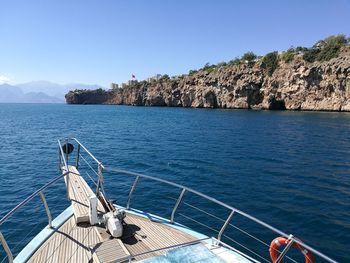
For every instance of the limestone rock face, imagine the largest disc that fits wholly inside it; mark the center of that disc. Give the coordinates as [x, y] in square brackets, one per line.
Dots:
[87, 97]
[297, 85]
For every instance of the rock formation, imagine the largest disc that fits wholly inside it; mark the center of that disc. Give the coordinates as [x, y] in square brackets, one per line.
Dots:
[297, 85]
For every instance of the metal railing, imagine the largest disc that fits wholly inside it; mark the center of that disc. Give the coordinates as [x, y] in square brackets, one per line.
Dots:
[185, 189]
[63, 164]
[232, 210]
[37, 193]
[6, 248]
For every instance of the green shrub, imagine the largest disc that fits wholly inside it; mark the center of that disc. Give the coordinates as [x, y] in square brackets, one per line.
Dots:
[209, 68]
[270, 62]
[311, 54]
[235, 61]
[288, 55]
[165, 77]
[221, 64]
[326, 49]
[300, 49]
[330, 47]
[249, 57]
[192, 72]
[207, 65]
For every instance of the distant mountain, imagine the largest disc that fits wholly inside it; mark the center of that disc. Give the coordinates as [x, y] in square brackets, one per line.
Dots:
[10, 93]
[49, 88]
[39, 92]
[14, 94]
[40, 97]
[53, 89]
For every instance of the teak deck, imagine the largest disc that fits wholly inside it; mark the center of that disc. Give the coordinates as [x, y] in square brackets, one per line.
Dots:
[79, 193]
[77, 242]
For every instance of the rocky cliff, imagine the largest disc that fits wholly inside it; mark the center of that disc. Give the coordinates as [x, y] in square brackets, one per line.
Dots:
[296, 85]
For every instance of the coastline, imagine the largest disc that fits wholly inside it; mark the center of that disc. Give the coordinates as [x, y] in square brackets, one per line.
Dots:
[295, 85]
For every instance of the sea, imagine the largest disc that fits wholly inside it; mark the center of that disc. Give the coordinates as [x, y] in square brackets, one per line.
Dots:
[289, 169]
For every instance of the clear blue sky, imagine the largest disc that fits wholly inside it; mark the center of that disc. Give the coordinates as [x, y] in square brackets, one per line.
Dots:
[99, 42]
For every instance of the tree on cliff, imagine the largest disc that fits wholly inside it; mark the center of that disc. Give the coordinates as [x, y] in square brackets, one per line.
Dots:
[209, 68]
[249, 57]
[326, 49]
[270, 62]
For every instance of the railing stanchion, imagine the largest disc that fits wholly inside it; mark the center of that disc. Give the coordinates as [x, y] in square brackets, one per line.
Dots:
[59, 160]
[65, 165]
[131, 192]
[66, 146]
[100, 179]
[6, 248]
[67, 182]
[225, 225]
[177, 205]
[68, 185]
[285, 250]
[77, 160]
[43, 199]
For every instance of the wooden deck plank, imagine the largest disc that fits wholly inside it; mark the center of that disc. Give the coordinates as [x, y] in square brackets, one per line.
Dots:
[150, 235]
[110, 251]
[79, 193]
[68, 244]
[72, 241]
[59, 251]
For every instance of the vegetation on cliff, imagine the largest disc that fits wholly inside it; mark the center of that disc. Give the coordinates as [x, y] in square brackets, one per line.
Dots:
[325, 49]
[322, 50]
[315, 78]
[270, 62]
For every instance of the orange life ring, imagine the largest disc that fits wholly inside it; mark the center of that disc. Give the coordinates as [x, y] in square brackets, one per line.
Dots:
[282, 241]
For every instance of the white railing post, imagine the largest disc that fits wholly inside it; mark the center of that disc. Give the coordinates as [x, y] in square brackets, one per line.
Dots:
[131, 192]
[59, 160]
[48, 213]
[6, 248]
[65, 165]
[68, 182]
[66, 146]
[177, 205]
[225, 225]
[77, 160]
[285, 250]
[100, 179]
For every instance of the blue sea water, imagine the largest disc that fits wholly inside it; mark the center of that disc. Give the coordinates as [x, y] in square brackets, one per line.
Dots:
[289, 169]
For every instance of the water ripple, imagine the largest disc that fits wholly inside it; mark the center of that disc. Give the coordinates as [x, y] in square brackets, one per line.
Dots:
[290, 169]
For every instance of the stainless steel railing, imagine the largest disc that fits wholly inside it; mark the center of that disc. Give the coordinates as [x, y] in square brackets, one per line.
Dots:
[30, 198]
[185, 189]
[6, 248]
[37, 193]
[211, 199]
[63, 163]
